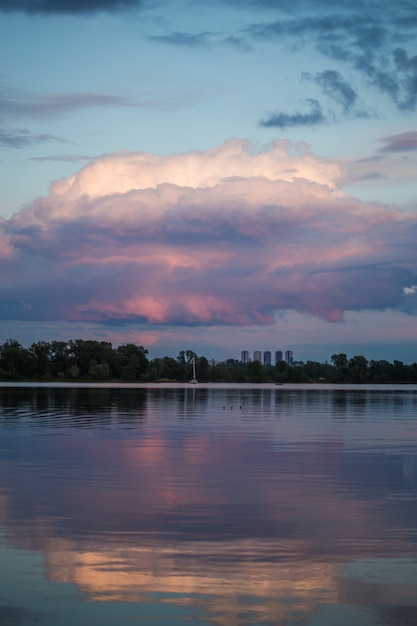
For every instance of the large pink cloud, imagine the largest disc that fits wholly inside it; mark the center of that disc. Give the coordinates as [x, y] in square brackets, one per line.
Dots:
[227, 236]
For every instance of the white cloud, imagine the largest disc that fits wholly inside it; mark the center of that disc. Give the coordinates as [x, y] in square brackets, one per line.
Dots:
[250, 234]
[124, 171]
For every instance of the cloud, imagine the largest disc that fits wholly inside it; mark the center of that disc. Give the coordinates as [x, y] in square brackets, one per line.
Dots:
[376, 44]
[394, 75]
[404, 142]
[229, 236]
[189, 40]
[63, 158]
[285, 120]
[238, 42]
[14, 615]
[17, 105]
[21, 104]
[392, 166]
[66, 6]
[334, 86]
[22, 138]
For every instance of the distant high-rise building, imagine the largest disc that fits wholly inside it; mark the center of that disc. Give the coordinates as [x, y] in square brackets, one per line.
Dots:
[289, 357]
[244, 357]
[267, 357]
[278, 356]
[257, 356]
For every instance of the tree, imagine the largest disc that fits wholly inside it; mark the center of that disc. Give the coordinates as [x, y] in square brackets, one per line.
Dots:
[358, 369]
[185, 359]
[100, 371]
[40, 356]
[82, 352]
[202, 368]
[61, 358]
[295, 374]
[256, 373]
[155, 369]
[340, 363]
[14, 360]
[313, 370]
[400, 371]
[131, 361]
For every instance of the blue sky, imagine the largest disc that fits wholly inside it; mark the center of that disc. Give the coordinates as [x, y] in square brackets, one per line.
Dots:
[210, 175]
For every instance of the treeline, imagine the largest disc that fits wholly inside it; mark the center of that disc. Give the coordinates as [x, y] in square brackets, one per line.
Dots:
[72, 360]
[340, 370]
[86, 360]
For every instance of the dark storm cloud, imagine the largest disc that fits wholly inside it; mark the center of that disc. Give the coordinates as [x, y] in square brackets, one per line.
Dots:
[285, 120]
[66, 6]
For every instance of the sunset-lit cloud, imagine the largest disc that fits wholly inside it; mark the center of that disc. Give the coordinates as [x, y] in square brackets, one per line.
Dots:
[403, 142]
[390, 167]
[129, 215]
[228, 236]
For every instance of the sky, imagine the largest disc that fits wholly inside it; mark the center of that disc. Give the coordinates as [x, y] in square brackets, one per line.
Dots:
[214, 175]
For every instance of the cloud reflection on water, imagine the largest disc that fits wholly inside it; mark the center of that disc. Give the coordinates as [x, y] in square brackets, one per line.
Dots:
[252, 514]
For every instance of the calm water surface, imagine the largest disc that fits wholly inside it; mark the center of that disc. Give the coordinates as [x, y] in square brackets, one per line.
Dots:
[233, 505]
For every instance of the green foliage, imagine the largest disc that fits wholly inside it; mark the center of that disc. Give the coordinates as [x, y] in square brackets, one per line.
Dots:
[358, 369]
[74, 359]
[256, 372]
[81, 353]
[74, 371]
[99, 371]
[60, 359]
[40, 356]
[80, 359]
[340, 365]
[131, 361]
[14, 360]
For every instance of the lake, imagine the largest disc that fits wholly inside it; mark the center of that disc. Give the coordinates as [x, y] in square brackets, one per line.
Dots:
[209, 504]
